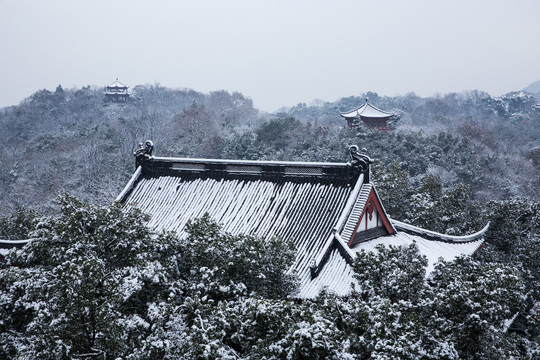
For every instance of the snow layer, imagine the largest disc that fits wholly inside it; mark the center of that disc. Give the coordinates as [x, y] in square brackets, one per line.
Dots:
[432, 249]
[337, 274]
[304, 211]
[367, 110]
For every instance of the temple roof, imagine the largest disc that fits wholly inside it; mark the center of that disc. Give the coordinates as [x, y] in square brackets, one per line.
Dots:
[322, 207]
[367, 110]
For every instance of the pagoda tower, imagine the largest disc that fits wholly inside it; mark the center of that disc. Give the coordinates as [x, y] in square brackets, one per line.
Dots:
[117, 92]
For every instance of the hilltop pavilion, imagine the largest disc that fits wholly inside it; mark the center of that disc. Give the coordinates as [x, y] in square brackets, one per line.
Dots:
[117, 92]
[371, 116]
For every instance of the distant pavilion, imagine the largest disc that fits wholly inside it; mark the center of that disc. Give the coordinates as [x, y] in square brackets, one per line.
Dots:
[371, 116]
[117, 92]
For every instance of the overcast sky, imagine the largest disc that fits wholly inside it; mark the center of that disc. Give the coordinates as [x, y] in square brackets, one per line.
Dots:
[279, 53]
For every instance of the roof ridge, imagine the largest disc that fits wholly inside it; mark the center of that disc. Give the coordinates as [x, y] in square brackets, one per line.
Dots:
[18, 241]
[350, 204]
[317, 263]
[376, 108]
[249, 162]
[359, 203]
[117, 83]
[353, 110]
[10, 244]
[152, 165]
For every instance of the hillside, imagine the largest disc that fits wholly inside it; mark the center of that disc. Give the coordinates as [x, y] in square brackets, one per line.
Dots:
[214, 294]
[533, 88]
[71, 140]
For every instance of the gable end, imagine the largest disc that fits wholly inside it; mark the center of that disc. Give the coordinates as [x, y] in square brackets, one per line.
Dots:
[373, 221]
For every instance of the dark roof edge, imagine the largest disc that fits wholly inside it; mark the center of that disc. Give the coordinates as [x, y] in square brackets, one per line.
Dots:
[129, 186]
[438, 236]
[8, 244]
[334, 241]
[250, 162]
[159, 166]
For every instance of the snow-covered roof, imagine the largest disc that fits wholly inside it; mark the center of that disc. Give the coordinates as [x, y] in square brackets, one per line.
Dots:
[367, 110]
[117, 84]
[299, 201]
[337, 274]
[117, 91]
[327, 209]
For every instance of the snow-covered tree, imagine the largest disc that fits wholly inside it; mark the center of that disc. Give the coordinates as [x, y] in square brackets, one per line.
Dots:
[72, 283]
[96, 282]
[18, 225]
[391, 304]
[476, 300]
[460, 311]
[221, 265]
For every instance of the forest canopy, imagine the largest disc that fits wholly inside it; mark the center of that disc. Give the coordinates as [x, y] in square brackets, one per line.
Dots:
[97, 283]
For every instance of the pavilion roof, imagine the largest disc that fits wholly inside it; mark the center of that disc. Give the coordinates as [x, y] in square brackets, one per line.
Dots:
[117, 84]
[368, 111]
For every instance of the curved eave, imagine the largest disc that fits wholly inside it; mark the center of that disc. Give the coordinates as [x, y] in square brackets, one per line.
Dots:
[367, 110]
[7, 245]
[14, 242]
[352, 113]
[438, 236]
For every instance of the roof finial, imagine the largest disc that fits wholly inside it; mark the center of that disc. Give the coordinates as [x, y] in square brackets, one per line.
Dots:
[360, 161]
[367, 99]
[144, 152]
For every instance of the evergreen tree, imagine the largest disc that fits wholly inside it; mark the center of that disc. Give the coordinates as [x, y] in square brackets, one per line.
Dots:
[72, 280]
